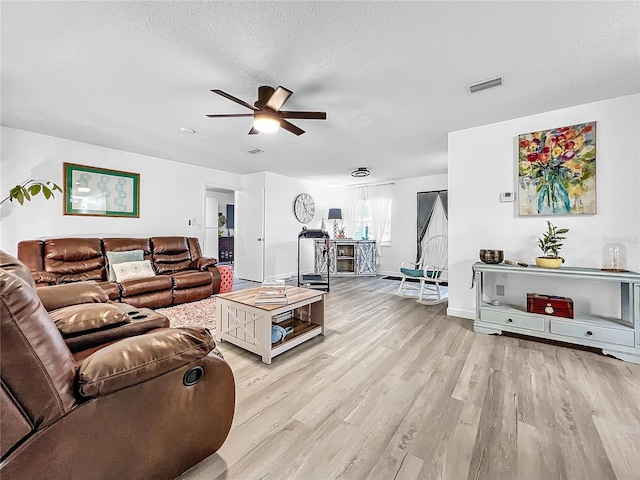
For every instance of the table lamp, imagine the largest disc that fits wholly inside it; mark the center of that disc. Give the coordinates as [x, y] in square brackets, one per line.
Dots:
[335, 214]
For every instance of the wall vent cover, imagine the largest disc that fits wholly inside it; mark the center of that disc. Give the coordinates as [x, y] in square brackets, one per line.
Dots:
[255, 151]
[494, 82]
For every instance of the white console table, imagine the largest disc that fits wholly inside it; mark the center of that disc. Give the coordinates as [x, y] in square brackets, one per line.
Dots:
[618, 337]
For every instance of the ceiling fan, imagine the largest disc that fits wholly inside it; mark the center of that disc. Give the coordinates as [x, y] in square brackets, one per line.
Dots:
[267, 116]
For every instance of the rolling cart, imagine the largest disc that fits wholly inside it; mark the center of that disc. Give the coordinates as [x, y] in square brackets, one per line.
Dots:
[318, 280]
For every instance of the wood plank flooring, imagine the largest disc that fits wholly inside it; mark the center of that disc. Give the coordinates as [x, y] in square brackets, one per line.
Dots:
[398, 390]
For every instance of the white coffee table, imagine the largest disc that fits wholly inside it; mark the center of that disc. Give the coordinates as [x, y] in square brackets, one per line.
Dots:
[241, 322]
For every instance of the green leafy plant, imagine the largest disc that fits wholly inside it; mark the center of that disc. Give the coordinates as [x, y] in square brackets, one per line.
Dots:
[551, 241]
[29, 189]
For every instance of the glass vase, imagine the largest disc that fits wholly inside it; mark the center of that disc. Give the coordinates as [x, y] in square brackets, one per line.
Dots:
[553, 197]
[614, 257]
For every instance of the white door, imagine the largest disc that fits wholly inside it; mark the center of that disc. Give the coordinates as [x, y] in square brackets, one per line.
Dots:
[249, 234]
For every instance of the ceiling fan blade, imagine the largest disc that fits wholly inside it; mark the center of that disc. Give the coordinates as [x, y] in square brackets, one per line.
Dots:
[224, 115]
[234, 99]
[277, 99]
[253, 131]
[305, 115]
[291, 127]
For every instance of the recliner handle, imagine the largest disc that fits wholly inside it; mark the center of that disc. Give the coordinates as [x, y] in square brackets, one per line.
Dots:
[193, 376]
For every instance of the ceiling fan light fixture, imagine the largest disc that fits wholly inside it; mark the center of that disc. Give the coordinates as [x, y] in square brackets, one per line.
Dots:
[360, 172]
[266, 122]
[266, 111]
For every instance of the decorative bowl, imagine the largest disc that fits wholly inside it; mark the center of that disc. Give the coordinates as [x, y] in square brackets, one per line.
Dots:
[491, 256]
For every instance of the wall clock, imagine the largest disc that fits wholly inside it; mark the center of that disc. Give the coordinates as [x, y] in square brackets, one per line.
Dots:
[304, 208]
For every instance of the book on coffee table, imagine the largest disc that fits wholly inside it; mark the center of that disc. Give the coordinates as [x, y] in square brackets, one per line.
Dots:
[272, 292]
[273, 286]
[266, 299]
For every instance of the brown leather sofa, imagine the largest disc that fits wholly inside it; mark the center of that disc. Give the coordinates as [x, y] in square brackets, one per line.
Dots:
[182, 273]
[148, 406]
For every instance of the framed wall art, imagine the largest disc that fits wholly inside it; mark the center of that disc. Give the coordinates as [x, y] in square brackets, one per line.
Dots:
[557, 171]
[100, 191]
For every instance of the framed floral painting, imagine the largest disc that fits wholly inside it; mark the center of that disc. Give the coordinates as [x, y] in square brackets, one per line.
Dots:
[557, 171]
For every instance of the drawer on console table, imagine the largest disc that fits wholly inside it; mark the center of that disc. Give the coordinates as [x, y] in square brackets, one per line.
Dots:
[512, 319]
[592, 332]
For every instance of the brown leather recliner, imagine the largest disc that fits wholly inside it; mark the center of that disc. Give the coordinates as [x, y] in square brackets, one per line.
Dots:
[70, 302]
[148, 406]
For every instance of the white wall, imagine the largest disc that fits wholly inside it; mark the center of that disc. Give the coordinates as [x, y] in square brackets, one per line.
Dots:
[282, 228]
[404, 221]
[166, 207]
[483, 163]
[170, 192]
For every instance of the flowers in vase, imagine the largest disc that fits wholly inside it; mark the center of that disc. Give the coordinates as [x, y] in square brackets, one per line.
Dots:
[556, 170]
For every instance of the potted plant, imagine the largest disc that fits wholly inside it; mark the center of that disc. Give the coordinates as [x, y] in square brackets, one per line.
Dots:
[341, 231]
[29, 189]
[550, 244]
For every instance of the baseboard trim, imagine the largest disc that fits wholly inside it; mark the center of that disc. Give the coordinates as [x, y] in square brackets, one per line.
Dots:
[380, 273]
[456, 312]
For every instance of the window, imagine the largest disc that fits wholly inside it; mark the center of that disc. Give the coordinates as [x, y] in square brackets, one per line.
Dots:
[363, 224]
[368, 208]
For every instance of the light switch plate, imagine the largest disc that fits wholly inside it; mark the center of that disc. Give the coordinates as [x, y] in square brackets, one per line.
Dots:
[507, 197]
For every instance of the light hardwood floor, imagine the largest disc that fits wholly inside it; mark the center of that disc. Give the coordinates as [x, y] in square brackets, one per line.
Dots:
[399, 390]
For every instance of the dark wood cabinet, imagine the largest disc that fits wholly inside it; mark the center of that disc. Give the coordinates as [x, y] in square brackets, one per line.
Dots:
[225, 249]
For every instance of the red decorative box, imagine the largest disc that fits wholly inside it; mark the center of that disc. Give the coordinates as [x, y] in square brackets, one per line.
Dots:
[550, 305]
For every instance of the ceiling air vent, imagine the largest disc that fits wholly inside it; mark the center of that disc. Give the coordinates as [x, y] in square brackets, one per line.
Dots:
[494, 82]
[255, 151]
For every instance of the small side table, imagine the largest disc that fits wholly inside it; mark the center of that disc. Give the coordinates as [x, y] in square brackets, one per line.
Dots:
[226, 278]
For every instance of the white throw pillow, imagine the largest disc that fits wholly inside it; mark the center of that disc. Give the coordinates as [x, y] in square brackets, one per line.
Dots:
[121, 257]
[133, 270]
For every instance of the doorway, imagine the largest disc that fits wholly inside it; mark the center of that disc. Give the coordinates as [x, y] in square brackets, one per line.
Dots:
[219, 234]
[234, 229]
[433, 213]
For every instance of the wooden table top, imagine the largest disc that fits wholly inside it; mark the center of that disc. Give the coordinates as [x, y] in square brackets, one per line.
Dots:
[294, 295]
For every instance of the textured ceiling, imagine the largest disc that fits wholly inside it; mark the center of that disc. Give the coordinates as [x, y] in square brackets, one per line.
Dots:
[392, 76]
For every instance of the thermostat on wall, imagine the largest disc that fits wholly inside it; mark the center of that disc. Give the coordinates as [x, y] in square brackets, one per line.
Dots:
[507, 196]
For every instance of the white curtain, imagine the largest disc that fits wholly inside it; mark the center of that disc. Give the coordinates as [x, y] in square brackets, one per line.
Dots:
[380, 197]
[439, 225]
[353, 198]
